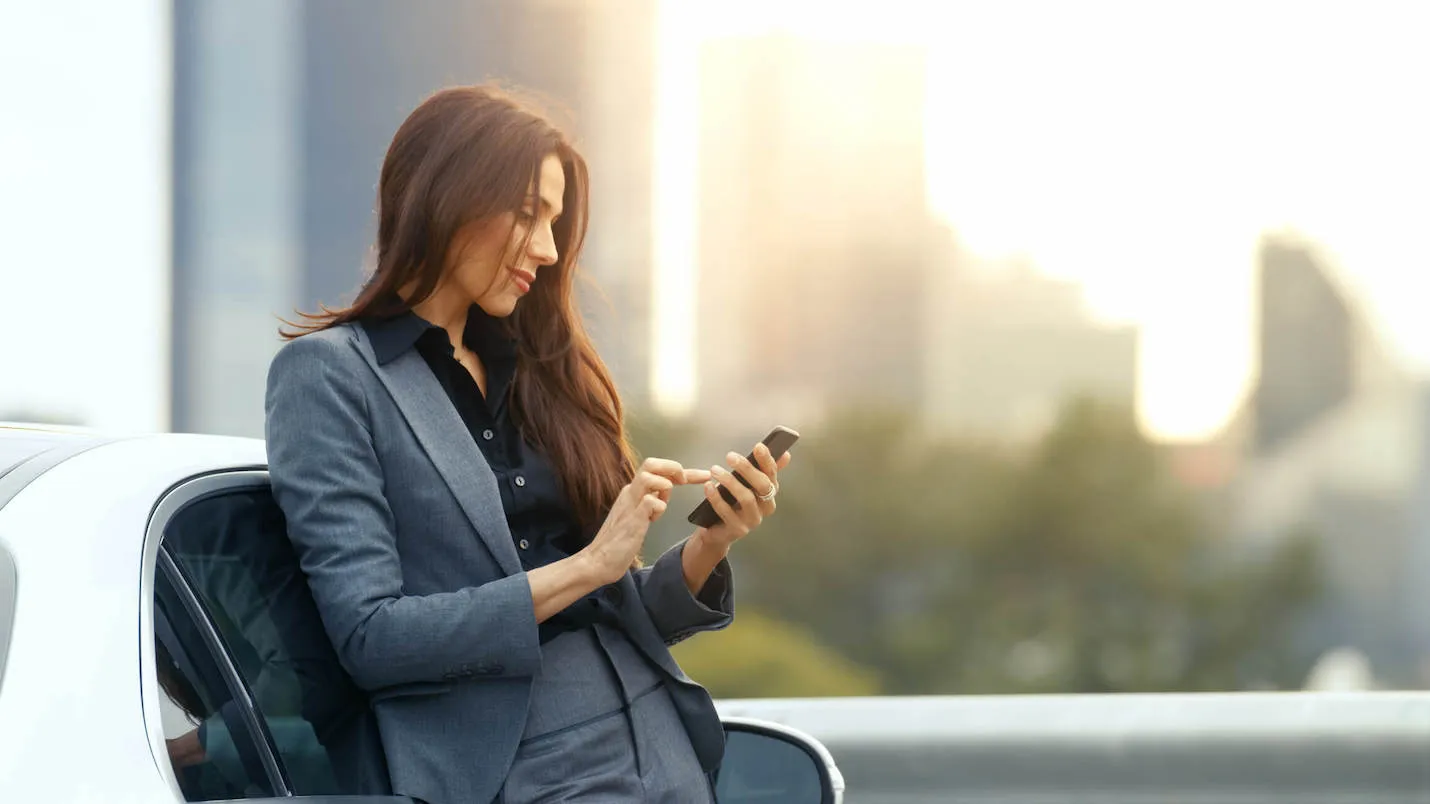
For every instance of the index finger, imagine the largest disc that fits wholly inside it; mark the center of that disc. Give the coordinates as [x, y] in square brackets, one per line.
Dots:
[674, 472]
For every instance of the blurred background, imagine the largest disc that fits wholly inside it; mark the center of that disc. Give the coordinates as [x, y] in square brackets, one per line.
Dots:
[1103, 322]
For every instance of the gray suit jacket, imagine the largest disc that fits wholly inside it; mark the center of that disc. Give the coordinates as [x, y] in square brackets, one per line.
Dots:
[400, 530]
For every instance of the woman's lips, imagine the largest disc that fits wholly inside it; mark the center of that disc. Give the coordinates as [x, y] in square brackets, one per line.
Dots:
[524, 279]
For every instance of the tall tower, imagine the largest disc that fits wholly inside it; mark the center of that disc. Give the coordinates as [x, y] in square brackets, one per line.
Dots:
[282, 114]
[1306, 343]
[812, 226]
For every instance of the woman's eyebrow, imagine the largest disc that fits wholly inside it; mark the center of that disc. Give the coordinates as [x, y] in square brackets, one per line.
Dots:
[546, 205]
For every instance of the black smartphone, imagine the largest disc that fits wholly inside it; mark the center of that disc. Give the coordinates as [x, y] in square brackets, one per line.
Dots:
[779, 441]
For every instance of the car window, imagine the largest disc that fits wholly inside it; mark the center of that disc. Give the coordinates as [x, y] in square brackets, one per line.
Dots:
[233, 549]
[213, 750]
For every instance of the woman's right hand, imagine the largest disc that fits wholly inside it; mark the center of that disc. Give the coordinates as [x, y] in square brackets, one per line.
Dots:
[641, 502]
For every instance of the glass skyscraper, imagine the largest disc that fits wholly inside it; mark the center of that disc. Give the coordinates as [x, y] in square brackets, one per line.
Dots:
[282, 114]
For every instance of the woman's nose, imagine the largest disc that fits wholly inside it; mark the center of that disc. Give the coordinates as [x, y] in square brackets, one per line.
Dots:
[543, 247]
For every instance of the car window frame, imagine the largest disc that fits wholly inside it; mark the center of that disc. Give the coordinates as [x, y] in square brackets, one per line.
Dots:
[831, 779]
[204, 663]
[156, 560]
[238, 688]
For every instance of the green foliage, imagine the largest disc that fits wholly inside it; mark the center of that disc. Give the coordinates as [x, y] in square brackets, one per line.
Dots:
[759, 657]
[1076, 565]
[655, 436]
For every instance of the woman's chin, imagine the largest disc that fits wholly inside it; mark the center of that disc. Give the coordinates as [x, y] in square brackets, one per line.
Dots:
[502, 306]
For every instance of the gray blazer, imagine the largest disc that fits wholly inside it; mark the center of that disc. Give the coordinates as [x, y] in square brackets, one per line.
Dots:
[400, 530]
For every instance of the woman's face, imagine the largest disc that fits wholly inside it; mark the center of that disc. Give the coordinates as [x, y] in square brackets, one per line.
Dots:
[490, 265]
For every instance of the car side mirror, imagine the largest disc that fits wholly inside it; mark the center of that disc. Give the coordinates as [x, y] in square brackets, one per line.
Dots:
[767, 763]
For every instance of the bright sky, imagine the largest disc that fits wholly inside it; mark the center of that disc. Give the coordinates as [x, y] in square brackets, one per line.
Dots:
[1139, 148]
[84, 212]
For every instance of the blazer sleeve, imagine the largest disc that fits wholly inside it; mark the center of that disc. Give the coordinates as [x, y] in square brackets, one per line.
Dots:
[327, 480]
[677, 614]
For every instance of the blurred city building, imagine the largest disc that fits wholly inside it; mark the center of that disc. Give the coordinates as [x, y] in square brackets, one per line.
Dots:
[813, 229]
[282, 114]
[1336, 440]
[1305, 348]
[1008, 347]
[824, 280]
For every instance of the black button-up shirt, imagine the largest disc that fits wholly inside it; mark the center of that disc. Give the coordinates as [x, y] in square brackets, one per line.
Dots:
[542, 522]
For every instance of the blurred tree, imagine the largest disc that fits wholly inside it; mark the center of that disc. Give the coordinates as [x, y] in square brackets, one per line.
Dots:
[1078, 566]
[656, 435]
[758, 657]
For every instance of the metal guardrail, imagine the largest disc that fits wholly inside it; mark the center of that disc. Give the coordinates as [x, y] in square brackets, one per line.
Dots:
[1237, 748]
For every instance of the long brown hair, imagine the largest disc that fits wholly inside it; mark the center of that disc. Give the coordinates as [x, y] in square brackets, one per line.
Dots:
[471, 154]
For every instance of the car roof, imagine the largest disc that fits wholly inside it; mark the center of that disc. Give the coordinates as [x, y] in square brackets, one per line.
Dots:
[28, 450]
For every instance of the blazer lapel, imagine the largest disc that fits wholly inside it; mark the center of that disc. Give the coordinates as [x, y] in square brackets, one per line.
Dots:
[443, 436]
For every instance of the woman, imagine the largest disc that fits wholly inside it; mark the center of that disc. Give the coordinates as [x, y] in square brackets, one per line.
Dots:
[450, 455]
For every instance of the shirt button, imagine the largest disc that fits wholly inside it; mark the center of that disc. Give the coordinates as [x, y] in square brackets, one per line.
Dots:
[524, 544]
[488, 435]
[520, 481]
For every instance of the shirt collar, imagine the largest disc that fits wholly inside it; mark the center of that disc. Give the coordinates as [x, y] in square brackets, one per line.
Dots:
[484, 335]
[392, 336]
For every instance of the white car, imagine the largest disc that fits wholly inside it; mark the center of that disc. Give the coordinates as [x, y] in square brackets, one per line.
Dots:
[157, 642]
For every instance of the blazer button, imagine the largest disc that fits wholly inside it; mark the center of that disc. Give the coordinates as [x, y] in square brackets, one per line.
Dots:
[520, 481]
[488, 435]
[524, 544]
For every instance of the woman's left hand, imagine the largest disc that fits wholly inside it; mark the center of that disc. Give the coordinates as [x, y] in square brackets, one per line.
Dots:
[736, 524]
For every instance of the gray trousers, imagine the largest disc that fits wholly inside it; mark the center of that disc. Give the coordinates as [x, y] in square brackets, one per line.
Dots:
[602, 728]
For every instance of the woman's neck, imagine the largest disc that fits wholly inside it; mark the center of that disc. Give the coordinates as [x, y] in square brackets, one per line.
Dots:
[447, 310]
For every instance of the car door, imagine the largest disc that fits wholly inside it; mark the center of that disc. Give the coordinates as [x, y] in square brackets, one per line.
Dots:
[254, 701]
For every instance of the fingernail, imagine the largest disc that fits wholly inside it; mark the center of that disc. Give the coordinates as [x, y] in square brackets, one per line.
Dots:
[716, 469]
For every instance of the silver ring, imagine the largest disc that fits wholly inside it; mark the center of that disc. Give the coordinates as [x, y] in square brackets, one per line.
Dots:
[774, 489]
